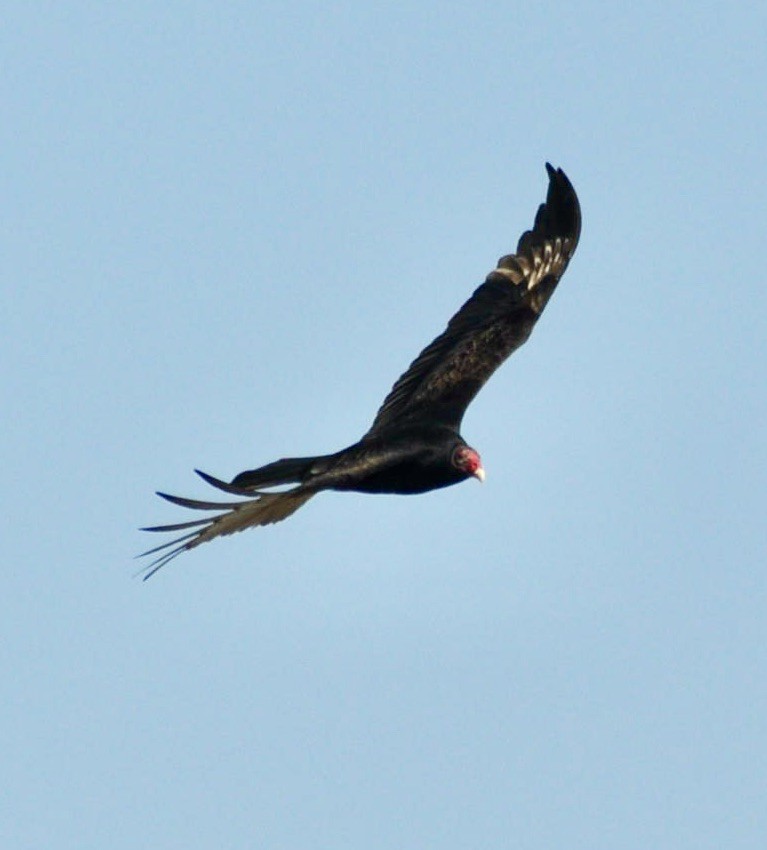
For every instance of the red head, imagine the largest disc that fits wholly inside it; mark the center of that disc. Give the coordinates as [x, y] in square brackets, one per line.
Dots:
[468, 461]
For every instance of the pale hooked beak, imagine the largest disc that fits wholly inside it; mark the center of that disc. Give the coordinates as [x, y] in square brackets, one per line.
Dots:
[479, 474]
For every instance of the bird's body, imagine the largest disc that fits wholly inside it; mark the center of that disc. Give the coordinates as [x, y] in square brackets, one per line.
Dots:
[413, 461]
[414, 444]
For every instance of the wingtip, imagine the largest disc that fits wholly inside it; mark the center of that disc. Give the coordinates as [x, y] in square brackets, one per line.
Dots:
[209, 479]
[557, 175]
[233, 489]
[562, 197]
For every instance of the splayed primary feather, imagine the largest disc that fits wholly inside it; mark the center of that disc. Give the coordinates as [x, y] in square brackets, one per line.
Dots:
[265, 509]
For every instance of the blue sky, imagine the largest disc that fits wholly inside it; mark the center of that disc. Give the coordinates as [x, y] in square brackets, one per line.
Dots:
[228, 229]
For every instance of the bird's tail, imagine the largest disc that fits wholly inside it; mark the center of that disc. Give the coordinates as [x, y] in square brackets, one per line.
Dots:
[258, 509]
[289, 470]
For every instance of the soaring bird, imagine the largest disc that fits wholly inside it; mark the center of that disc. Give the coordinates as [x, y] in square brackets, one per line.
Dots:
[414, 444]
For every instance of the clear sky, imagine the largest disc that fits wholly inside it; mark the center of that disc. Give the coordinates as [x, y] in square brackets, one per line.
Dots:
[227, 228]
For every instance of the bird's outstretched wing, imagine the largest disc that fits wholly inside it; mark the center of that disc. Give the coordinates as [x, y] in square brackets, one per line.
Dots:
[497, 319]
[258, 509]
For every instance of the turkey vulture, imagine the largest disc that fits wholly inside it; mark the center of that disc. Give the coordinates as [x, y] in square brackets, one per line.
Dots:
[414, 444]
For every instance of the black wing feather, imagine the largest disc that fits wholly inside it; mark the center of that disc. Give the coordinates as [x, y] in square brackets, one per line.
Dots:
[497, 319]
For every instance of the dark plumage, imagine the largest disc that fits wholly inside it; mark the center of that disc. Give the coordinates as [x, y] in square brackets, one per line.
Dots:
[414, 444]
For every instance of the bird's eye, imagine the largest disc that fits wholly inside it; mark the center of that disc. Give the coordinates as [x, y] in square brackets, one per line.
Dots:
[459, 457]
